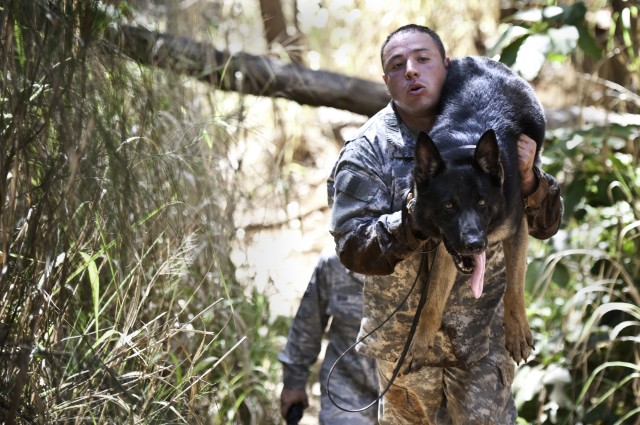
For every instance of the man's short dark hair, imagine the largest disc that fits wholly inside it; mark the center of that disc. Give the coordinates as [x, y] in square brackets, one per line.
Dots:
[414, 28]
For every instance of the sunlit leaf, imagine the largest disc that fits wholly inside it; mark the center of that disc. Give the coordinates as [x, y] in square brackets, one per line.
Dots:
[528, 15]
[532, 55]
[17, 33]
[564, 40]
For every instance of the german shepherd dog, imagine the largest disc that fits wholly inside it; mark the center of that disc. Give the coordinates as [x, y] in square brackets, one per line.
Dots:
[467, 192]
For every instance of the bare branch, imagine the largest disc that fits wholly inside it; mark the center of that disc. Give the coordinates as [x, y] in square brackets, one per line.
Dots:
[250, 74]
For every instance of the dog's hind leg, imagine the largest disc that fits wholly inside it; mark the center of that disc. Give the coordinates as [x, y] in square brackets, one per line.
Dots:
[518, 338]
[441, 279]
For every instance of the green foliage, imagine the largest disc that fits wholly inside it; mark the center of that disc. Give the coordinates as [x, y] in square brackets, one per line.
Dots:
[625, 23]
[585, 293]
[584, 287]
[551, 33]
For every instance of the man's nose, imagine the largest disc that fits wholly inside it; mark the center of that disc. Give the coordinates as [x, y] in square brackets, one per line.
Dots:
[411, 71]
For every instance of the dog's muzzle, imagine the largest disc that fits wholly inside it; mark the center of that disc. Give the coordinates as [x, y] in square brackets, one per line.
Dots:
[464, 263]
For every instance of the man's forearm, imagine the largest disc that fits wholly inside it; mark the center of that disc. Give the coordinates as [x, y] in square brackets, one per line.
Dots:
[376, 248]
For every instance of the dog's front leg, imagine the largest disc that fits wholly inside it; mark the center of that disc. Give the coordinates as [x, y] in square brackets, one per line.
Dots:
[441, 278]
[518, 338]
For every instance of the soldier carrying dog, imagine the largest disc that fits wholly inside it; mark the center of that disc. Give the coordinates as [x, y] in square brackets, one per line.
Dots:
[467, 377]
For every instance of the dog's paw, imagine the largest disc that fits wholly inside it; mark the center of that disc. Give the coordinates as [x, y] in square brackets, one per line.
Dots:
[518, 341]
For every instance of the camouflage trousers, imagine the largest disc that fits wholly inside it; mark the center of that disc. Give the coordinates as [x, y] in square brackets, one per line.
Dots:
[332, 415]
[477, 394]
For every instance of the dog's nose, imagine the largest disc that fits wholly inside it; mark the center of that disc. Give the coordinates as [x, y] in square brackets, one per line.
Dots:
[475, 245]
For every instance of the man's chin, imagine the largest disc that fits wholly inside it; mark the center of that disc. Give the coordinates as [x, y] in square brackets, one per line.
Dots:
[416, 110]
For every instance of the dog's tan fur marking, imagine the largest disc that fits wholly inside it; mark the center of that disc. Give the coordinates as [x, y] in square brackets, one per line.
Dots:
[518, 338]
[442, 277]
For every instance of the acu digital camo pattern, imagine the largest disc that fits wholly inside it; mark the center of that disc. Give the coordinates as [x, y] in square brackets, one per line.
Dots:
[477, 394]
[334, 295]
[366, 190]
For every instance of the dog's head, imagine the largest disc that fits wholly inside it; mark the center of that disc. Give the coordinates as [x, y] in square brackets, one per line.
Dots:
[459, 197]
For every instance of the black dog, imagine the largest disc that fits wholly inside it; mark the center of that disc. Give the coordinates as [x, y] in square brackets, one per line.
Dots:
[467, 192]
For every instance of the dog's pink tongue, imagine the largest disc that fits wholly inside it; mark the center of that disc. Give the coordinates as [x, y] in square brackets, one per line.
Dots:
[477, 277]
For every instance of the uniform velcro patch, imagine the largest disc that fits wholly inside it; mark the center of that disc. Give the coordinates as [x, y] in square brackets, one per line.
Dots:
[354, 185]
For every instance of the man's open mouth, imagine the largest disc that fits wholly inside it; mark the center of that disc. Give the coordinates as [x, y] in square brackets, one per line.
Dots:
[415, 88]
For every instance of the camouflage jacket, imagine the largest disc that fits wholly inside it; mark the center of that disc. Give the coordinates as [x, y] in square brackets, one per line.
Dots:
[366, 189]
[333, 293]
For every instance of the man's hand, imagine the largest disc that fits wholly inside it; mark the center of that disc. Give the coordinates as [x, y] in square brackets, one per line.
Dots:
[289, 397]
[526, 157]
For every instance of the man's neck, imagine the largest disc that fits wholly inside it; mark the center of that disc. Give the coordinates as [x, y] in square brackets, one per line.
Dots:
[417, 123]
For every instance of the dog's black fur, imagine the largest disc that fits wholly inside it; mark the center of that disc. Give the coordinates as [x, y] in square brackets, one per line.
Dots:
[486, 106]
[467, 187]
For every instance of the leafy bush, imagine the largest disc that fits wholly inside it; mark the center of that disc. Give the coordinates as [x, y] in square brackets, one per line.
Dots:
[584, 291]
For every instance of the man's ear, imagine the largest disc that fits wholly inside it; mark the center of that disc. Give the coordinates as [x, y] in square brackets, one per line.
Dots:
[447, 61]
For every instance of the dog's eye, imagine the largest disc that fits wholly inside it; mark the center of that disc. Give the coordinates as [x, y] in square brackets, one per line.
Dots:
[448, 206]
[482, 203]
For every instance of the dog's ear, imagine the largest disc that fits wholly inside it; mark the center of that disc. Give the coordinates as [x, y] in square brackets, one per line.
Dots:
[428, 159]
[487, 155]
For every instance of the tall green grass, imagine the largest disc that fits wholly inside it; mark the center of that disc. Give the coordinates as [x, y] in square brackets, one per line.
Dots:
[118, 299]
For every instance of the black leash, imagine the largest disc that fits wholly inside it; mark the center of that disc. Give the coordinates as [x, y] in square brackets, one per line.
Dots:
[405, 350]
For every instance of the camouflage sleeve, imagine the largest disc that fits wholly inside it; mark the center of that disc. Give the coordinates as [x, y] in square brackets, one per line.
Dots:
[306, 332]
[370, 238]
[544, 207]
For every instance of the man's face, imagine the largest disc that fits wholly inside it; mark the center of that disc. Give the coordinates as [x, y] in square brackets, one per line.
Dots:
[414, 72]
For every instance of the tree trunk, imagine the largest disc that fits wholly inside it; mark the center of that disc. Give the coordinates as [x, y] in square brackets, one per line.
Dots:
[249, 74]
[275, 25]
[275, 30]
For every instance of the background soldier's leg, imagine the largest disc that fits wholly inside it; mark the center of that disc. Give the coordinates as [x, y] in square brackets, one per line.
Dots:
[333, 415]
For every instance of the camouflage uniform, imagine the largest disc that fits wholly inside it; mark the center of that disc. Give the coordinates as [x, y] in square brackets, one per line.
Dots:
[333, 292]
[469, 373]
